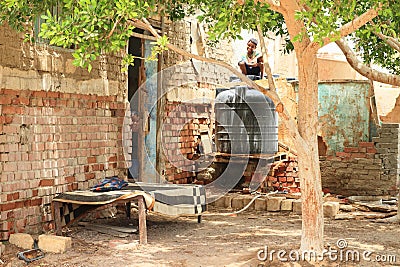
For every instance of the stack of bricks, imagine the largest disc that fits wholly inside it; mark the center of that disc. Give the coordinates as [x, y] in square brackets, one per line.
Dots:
[280, 175]
[181, 137]
[283, 176]
[365, 150]
[371, 168]
[53, 142]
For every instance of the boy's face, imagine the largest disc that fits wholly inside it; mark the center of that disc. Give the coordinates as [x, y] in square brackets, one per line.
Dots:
[251, 47]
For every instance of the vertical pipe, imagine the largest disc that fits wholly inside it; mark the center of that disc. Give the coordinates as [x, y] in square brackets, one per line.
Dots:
[160, 113]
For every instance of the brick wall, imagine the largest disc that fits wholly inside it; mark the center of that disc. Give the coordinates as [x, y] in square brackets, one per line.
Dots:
[53, 142]
[369, 169]
[388, 149]
[283, 176]
[60, 128]
[181, 137]
[188, 95]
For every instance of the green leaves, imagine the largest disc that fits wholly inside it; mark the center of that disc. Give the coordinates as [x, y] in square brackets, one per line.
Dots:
[95, 27]
[92, 26]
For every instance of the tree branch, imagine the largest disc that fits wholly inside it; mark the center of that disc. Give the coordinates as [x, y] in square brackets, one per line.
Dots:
[113, 28]
[365, 70]
[392, 42]
[264, 49]
[288, 121]
[355, 24]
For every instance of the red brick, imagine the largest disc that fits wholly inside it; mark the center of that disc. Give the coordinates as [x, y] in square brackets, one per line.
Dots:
[366, 144]
[70, 179]
[10, 92]
[290, 179]
[74, 186]
[351, 149]
[7, 206]
[36, 202]
[282, 179]
[342, 154]
[40, 94]
[21, 100]
[5, 100]
[53, 94]
[92, 160]
[46, 182]
[372, 150]
[89, 176]
[12, 110]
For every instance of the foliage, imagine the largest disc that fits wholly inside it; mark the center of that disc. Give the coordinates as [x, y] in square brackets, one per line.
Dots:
[321, 19]
[94, 27]
[375, 50]
[226, 19]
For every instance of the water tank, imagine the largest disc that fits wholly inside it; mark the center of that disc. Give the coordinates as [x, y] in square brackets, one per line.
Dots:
[246, 122]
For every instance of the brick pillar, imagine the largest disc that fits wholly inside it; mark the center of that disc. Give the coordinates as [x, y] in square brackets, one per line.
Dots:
[388, 147]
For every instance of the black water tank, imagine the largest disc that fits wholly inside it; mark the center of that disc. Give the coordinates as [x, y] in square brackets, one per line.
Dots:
[246, 122]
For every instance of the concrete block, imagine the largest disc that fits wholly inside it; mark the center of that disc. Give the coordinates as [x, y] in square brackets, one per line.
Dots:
[223, 202]
[228, 201]
[55, 244]
[331, 209]
[219, 203]
[22, 240]
[260, 204]
[297, 206]
[274, 203]
[246, 200]
[287, 205]
[237, 203]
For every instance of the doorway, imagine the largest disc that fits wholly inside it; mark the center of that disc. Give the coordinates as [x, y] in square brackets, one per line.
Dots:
[142, 95]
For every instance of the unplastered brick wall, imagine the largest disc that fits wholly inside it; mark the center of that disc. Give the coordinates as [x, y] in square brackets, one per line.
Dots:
[60, 129]
[371, 168]
[188, 92]
[283, 176]
[50, 143]
[181, 139]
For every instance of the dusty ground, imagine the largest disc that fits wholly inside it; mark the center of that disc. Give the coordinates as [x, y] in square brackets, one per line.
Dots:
[218, 241]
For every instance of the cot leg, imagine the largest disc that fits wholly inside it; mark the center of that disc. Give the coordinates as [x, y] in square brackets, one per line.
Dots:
[142, 221]
[57, 217]
[128, 209]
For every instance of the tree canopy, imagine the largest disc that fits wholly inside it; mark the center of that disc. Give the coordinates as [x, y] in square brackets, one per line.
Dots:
[100, 26]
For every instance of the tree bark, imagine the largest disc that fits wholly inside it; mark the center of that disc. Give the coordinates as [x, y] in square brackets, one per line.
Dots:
[312, 231]
[309, 168]
[267, 67]
[365, 70]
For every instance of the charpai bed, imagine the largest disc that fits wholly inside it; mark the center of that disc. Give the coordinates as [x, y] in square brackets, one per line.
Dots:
[169, 199]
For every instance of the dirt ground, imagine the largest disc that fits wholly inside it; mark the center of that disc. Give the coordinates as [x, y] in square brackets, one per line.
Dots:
[222, 240]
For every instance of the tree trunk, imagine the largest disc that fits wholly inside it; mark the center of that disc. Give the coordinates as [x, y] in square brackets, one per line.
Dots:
[309, 168]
